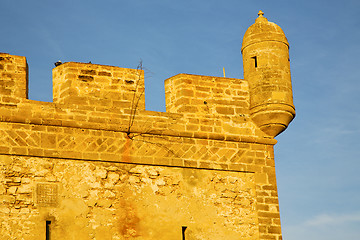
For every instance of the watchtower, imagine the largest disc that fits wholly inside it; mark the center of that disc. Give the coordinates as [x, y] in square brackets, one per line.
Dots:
[266, 62]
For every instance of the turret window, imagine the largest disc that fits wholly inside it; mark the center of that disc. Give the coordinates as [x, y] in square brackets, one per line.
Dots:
[254, 61]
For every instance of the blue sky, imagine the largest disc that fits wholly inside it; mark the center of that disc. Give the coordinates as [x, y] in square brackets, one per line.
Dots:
[317, 158]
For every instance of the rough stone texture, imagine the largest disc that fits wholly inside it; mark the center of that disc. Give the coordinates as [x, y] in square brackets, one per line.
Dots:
[94, 164]
[142, 201]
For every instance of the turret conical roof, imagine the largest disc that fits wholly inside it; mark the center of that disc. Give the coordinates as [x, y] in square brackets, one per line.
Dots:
[263, 30]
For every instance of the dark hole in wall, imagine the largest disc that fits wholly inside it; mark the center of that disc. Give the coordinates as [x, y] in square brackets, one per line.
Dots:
[255, 62]
[183, 228]
[48, 223]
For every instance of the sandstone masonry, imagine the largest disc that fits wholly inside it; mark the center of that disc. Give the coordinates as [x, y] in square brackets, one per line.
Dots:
[94, 164]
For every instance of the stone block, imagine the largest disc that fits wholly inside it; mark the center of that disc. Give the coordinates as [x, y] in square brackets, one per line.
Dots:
[12, 190]
[25, 188]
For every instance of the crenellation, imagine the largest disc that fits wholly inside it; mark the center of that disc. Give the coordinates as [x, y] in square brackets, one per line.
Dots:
[201, 94]
[98, 85]
[13, 77]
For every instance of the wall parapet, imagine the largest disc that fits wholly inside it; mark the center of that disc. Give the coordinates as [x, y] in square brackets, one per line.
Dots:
[92, 96]
[240, 129]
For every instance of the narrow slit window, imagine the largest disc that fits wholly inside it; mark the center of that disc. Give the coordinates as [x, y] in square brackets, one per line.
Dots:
[48, 223]
[255, 63]
[183, 232]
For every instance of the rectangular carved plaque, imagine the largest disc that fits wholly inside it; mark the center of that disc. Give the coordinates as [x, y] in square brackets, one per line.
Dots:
[47, 194]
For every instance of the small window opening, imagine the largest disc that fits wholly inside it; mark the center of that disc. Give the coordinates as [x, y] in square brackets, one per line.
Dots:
[183, 232]
[48, 223]
[255, 63]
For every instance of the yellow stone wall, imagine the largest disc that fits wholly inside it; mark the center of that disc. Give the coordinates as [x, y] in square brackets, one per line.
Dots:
[127, 201]
[94, 164]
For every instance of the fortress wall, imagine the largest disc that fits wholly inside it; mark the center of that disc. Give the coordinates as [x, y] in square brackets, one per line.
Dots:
[113, 200]
[98, 200]
[97, 169]
[104, 176]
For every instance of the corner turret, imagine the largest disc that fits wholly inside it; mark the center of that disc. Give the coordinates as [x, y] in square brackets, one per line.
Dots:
[265, 51]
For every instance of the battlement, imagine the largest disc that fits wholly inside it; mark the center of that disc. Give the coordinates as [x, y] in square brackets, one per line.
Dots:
[263, 98]
[107, 97]
[112, 88]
